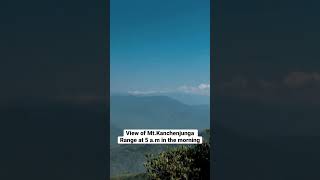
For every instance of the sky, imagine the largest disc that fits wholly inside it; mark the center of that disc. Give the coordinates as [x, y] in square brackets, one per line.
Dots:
[60, 49]
[159, 45]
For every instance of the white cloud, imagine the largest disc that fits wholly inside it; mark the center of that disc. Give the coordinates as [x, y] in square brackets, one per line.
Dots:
[201, 89]
[147, 92]
[204, 86]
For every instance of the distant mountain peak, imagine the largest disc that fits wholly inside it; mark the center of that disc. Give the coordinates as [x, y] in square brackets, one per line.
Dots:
[185, 98]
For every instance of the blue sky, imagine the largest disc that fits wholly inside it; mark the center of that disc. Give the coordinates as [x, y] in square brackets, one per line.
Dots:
[159, 45]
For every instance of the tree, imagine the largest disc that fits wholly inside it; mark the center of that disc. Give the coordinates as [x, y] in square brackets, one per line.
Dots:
[182, 162]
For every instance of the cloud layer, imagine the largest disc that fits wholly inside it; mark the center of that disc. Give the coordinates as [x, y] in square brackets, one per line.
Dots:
[201, 89]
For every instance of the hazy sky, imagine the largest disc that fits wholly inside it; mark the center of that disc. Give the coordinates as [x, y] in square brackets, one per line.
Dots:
[159, 45]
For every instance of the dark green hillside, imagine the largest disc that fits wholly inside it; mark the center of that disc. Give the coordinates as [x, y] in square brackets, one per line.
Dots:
[148, 112]
[130, 158]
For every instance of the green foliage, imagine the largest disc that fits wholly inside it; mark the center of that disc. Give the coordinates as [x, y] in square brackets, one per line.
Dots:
[183, 162]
